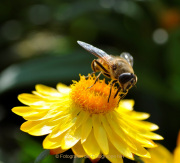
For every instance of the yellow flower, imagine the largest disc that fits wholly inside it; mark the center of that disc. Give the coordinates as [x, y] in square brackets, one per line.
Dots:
[161, 155]
[81, 118]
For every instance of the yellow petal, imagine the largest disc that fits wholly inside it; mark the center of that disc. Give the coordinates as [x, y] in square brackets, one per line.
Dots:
[40, 107]
[86, 129]
[134, 135]
[29, 113]
[37, 128]
[26, 126]
[30, 99]
[45, 90]
[150, 135]
[61, 123]
[138, 115]
[140, 151]
[67, 133]
[82, 118]
[47, 97]
[67, 121]
[71, 137]
[35, 116]
[129, 130]
[159, 155]
[78, 150]
[116, 127]
[134, 146]
[125, 105]
[26, 110]
[64, 125]
[43, 127]
[62, 88]
[23, 110]
[114, 155]
[100, 134]
[136, 123]
[119, 144]
[54, 143]
[143, 125]
[91, 147]
[59, 111]
[146, 125]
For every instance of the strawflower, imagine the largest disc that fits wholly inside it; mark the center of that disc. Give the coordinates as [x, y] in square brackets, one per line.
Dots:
[82, 119]
[162, 155]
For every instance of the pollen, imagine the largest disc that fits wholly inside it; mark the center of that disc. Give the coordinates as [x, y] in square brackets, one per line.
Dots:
[93, 99]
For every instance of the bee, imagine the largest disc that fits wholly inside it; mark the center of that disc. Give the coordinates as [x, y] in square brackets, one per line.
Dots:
[118, 68]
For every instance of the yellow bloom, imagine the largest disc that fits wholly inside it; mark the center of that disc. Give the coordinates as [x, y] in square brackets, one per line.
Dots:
[161, 155]
[81, 118]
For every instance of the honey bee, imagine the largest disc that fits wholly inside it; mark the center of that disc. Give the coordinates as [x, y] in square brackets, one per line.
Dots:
[117, 68]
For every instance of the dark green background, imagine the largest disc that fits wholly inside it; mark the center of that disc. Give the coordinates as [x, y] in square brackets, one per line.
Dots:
[38, 45]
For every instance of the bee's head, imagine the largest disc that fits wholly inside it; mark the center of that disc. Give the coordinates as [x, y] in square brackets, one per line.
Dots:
[127, 80]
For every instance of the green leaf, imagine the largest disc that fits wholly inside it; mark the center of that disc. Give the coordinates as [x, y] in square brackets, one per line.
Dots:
[42, 156]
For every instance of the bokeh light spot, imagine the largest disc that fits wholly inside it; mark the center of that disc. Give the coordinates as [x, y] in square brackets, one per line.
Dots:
[8, 77]
[37, 43]
[129, 8]
[160, 36]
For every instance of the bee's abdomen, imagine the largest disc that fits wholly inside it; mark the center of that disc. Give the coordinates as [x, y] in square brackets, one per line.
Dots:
[98, 65]
[94, 66]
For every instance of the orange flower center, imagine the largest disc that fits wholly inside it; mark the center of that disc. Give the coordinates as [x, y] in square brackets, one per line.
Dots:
[95, 98]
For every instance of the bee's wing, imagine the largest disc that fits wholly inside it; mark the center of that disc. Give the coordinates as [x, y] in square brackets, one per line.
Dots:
[128, 57]
[95, 51]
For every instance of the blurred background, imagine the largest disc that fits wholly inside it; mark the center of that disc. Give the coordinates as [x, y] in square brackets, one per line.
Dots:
[38, 44]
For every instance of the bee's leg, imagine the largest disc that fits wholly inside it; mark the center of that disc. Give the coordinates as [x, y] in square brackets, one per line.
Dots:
[119, 100]
[96, 79]
[119, 88]
[114, 81]
[89, 75]
[124, 93]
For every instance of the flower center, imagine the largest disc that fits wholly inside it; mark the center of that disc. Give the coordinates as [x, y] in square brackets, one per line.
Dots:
[95, 98]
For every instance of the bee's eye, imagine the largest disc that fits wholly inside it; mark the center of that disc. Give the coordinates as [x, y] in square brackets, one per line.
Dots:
[114, 66]
[125, 77]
